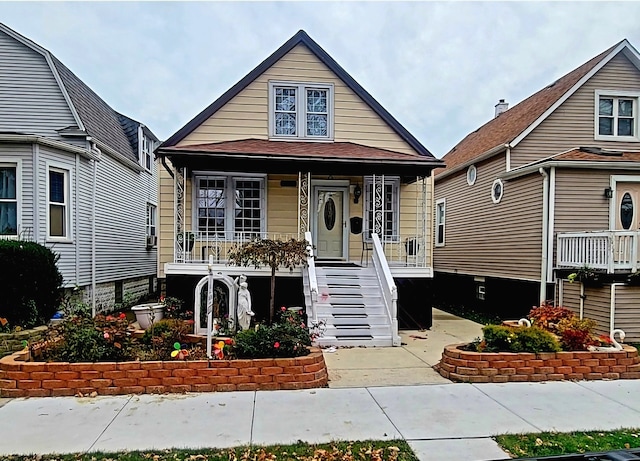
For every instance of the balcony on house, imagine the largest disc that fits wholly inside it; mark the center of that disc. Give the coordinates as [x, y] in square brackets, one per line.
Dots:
[609, 251]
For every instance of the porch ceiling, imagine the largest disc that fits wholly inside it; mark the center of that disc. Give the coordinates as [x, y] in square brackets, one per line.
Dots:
[257, 155]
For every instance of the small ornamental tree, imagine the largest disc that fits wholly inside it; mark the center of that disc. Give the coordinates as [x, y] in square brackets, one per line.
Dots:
[271, 253]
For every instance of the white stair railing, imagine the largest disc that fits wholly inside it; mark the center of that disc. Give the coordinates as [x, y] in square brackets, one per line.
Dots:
[313, 282]
[389, 289]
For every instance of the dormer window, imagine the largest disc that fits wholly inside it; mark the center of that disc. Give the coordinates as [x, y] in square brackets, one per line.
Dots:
[300, 110]
[616, 116]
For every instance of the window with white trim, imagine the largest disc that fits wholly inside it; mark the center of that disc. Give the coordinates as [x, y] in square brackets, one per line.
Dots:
[616, 116]
[300, 110]
[440, 219]
[390, 208]
[497, 191]
[472, 174]
[151, 220]
[8, 199]
[230, 206]
[59, 216]
[146, 156]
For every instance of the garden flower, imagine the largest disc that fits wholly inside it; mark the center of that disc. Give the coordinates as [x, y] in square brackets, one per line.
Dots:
[122, 315]
[106, 335]
[228, 341]
[283, 308]
[276, 345]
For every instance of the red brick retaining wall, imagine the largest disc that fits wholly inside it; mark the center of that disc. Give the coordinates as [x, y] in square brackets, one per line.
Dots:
[500, 367]
[44, 379]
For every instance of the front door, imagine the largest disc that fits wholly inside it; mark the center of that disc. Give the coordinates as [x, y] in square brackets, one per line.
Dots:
[330, 221]
[627, 206]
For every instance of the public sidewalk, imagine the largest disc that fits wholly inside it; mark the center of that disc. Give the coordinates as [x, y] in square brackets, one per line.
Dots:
[456, 420]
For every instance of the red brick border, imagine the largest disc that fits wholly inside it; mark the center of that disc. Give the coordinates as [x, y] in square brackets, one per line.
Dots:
[500, 367]
[40, 379]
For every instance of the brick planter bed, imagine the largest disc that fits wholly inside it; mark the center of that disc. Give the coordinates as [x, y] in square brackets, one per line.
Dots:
[44, 379]
[501, 367]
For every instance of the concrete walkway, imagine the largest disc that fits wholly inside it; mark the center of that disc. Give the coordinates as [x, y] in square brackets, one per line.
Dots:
[453, 419]
[410, 364]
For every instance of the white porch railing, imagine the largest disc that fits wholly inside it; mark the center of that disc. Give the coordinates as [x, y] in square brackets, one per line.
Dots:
[389, 289]
[605, 250]
[215, 244]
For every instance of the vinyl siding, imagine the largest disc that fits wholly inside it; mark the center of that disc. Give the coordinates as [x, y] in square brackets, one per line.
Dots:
[166, 218]
[32, 101]
[628, 312]
[246, 115]
[121, 199]
[570, 295]
[597, 306]
[487, 239]
[572, 124]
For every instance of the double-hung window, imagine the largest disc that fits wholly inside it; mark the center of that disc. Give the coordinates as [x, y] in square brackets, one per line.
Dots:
[300, 111]
[384, 205]
[616, 116]
[58, 203]
[230, 206]
[440, 218]
[147, 152]
[151, 225]
[8, 199]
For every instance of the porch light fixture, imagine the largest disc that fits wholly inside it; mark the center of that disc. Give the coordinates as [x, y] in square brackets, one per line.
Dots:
[357, 192]
[608, 192]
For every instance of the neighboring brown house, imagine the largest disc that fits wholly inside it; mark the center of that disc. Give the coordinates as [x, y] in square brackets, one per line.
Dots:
[298, 148]
[549, 188]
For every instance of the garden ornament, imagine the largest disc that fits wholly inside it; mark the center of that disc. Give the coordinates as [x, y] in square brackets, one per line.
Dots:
[244, 306]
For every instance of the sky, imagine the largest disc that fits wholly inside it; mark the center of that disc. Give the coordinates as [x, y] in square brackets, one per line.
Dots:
[438, 67]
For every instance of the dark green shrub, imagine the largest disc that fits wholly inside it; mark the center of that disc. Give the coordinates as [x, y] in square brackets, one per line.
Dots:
[160, 339]
[82, 339]
[31, 283]
[288, 337]
[498, 338]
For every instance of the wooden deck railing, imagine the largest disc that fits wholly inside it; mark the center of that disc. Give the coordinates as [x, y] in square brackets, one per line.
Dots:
[603, 250]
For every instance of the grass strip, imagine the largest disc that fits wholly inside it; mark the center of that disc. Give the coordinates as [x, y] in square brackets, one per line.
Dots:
[370, 450]
[558, 443]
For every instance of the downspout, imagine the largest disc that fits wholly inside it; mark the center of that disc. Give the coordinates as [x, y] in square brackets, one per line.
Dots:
[93, 228]
[545, 232]
[163, 159]
[551, 222]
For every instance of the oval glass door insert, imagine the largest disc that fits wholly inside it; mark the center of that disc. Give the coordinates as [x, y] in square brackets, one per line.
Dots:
[329, 214]
[626, 211]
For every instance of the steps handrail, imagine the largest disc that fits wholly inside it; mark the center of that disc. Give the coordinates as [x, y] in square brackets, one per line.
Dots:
[313, 278]
[389, 288]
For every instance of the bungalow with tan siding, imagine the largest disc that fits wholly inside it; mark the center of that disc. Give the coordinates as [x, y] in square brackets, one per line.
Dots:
[298, 149]
[546, 189]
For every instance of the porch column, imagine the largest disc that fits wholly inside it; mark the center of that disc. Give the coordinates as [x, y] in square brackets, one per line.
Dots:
[377, 190]
[424, 225]
[304, 192]
[179, 204]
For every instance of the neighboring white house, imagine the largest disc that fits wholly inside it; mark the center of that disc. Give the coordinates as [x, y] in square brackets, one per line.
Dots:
[75, 175]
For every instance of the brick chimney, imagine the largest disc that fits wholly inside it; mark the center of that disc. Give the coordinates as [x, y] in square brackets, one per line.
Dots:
[501, 107]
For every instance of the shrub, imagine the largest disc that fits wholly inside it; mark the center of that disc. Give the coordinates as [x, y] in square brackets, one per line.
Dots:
[577, 334]
[499, 338]
[32, 283]
[82, 339]
[548, 316]
[174, 309]
[288, 337]
[160, 339]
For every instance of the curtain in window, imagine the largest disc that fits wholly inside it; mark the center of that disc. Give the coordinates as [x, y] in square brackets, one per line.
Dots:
[8, 201]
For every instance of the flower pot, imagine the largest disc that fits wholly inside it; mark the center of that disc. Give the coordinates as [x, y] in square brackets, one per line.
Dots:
[148, 314]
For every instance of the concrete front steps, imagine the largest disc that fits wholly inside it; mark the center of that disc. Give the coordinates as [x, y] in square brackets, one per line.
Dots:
[350, 301]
